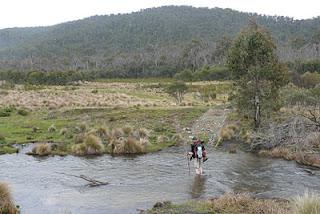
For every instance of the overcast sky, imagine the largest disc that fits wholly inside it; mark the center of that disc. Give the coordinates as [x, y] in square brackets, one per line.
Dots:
[22, 13]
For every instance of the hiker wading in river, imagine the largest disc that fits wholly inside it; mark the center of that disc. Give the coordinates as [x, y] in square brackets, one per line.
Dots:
[198, 153]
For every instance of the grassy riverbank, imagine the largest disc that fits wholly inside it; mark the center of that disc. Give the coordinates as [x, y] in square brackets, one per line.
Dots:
[242, 203]
[65, 115]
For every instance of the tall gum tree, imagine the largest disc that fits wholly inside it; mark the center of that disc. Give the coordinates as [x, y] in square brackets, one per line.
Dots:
[257, 72]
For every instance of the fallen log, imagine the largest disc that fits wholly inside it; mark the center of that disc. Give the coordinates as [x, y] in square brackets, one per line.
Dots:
[92, 182]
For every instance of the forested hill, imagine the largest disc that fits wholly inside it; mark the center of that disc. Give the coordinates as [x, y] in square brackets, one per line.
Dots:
[156, 41]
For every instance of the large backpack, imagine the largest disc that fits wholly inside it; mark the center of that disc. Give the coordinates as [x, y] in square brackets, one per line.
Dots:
[199, 151]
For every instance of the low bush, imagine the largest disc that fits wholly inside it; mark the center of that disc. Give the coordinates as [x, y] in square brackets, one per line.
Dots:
[22, 112]
[4, 113]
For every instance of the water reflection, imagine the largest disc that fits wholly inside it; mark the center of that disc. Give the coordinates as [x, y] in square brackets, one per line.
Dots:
[198, 186]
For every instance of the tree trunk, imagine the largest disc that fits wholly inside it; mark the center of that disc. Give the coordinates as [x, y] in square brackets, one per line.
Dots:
[257, 117]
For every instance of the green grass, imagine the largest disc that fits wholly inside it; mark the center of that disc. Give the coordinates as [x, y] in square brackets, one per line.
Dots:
[34, 126]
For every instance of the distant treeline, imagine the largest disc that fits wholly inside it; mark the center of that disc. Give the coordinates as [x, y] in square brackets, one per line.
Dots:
[303, 73]
[46, 78]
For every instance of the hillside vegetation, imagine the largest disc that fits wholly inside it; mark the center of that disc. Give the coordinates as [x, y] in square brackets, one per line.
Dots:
[151, 42]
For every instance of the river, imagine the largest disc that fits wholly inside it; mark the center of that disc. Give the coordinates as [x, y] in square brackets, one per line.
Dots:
[138, 182]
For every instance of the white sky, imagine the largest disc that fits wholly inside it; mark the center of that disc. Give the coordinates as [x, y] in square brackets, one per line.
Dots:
[22, 13]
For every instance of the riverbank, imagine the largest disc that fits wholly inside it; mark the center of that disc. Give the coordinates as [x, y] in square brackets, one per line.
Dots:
[241, 203]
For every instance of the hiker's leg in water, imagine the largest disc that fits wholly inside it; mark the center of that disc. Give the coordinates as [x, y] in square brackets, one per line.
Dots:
[200, 167]
[197, 165]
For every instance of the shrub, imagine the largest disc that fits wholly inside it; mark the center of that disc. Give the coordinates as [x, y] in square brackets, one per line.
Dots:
[42, 149]
[52, 128]
[6, 203]
[95, 91]
[309, 203]
[22, 112]
[310, 80]
[3, 113]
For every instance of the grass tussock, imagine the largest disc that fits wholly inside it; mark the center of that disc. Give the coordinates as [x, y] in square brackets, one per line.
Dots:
[6, 203]
[226, 204]
[309, 203]
[288, 154]
[162, 139]
[128, 141]
[91, 145]
[42, 149]
[243, 203]
[228, 132]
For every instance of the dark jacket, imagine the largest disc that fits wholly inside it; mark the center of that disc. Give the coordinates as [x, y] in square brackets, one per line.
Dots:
[193, 149]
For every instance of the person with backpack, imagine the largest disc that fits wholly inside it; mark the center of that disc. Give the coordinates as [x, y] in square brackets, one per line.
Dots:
[199, 154]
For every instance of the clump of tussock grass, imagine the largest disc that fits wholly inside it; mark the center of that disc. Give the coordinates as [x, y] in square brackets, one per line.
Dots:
[143, 133]
[79, 138]
[163, 139]
[102, 132]
[117, 133]
[309, 203]
[83, 127]
[243, 203]
[177, 138]
[42, 149]
[91, 145]
[6, 203]
[128, 141]
[127, 130]
[52, 128]
[63, 131]
[128, 146]
[228, 132]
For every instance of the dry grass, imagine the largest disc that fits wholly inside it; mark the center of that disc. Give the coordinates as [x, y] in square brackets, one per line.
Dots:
[243, 203]
[288, 154]
[228, 132]
[6, 203]
[163, 139]
[309, 203]
[178, 139]
[128, 146]
[128, 141]
[119, 94]
[91, 145]
[42, 149]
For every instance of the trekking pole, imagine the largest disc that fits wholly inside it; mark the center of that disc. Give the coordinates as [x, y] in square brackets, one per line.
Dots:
[188, 163]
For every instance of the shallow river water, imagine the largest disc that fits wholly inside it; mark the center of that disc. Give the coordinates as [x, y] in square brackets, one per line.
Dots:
[138, 182]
